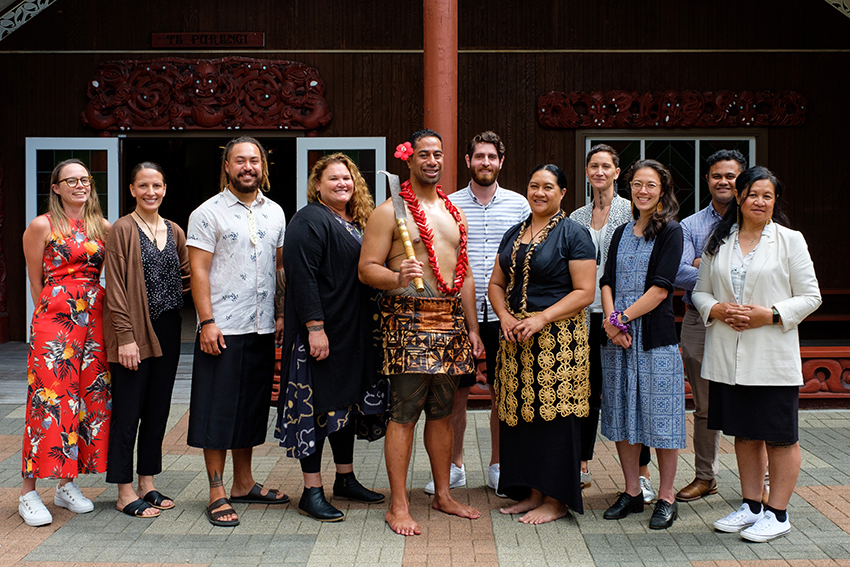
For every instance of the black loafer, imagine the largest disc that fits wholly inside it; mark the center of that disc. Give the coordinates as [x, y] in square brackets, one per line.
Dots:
[664, 515]
[624, 506]
[313, 504]
[347, 486]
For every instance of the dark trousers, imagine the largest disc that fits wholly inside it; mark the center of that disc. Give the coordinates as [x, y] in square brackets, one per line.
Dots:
[590, 423]
[141, 400]
[342, 445]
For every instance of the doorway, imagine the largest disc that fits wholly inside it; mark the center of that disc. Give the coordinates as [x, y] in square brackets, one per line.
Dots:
[192, 168]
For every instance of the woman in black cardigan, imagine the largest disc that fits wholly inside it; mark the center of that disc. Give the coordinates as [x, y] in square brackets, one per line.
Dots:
[643, 397]
[328, 364]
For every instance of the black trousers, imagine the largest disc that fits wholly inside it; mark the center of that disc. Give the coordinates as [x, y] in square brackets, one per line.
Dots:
[342, 445]
[141, 400]
[590, 424]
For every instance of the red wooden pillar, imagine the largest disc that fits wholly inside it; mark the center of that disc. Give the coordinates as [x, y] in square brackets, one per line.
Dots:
[440, 42]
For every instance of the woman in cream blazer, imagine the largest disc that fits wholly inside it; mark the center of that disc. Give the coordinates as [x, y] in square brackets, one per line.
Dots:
[756, 284]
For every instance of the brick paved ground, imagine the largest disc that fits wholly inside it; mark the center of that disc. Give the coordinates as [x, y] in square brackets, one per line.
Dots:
[278, 535]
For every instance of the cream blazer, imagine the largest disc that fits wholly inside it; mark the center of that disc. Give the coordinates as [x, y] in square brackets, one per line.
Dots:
[781, 275]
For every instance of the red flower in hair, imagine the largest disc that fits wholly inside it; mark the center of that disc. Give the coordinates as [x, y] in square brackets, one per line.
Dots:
[403, 151]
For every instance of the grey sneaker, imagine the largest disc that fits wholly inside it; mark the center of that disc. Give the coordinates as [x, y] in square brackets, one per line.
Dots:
[457, 478]
[70, 497]
[646, 488]
[738, 520]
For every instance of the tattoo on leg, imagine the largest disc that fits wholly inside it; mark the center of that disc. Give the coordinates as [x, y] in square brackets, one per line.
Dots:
[215, 480]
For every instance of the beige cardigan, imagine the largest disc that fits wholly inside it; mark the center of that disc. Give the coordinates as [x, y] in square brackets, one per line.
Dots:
[781, 275]
[125, 312]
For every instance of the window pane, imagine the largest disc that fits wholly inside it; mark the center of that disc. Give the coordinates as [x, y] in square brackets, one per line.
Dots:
[46, 160]
[629, 151]
[708, 147]
[363, 159]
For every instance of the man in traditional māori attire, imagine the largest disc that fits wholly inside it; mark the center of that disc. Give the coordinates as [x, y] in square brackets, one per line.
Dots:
[429, 335]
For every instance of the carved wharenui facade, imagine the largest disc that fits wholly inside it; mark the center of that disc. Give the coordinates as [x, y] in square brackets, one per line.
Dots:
[546, 76]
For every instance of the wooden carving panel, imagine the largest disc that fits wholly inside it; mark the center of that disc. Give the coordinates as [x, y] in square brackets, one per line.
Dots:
[200, 94]
[670, 109]
[826, 377]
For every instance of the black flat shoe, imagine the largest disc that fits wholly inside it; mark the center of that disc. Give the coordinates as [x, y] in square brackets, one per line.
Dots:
[624, 506]
[664, 515]
[347, 486]
[313, 504]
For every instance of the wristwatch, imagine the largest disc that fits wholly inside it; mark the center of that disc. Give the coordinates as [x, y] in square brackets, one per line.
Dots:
[775, 316]
[624, 318]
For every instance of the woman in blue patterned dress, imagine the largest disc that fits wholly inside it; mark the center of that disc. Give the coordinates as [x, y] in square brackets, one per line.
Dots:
[643, 396]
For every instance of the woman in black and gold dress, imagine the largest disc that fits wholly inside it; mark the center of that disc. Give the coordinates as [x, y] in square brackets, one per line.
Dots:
[541, 283]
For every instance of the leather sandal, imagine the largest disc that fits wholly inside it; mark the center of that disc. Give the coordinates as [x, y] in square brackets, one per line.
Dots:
[155, 498]
[215, 517]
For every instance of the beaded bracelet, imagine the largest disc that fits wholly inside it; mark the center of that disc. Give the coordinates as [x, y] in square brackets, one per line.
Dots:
[625, 327]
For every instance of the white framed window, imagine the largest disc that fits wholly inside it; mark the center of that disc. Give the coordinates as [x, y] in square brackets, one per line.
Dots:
[683, 153]
[42, 154]
[368, 153]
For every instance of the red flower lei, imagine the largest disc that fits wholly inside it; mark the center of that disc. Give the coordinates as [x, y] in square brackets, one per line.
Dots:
[428, 238]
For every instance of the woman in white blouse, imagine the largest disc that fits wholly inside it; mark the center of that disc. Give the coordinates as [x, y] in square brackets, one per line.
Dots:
[756, 284]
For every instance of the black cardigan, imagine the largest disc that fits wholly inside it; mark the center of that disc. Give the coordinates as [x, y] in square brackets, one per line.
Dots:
[320, 259]
[659, 325]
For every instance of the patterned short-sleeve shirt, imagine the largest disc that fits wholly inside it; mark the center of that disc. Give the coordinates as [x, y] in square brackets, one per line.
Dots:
[244, 241]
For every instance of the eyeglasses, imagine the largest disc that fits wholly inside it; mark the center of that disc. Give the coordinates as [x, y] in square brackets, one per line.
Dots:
[637, 185]
[72, 181]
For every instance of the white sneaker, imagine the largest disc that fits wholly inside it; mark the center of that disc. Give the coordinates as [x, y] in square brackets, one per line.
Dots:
[493, 474]
[767, 528]
[457, 477]
[741, 518]
[70, 497]
[646, 489]
[586, 479]
[33, 510]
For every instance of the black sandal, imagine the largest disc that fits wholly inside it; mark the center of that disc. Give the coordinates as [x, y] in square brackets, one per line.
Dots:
[136, 509]
[213, 517]
[256, 496]
[155, 498]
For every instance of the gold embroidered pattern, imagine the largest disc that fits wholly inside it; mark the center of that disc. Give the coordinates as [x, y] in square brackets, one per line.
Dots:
[558, 356]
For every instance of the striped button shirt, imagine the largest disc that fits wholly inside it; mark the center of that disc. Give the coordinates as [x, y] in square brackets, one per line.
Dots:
[487, 224]
[695, 229]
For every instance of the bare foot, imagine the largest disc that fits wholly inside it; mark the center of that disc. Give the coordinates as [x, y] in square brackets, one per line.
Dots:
[549, 511]
[530, 503]
[402, 523]
[455, 508]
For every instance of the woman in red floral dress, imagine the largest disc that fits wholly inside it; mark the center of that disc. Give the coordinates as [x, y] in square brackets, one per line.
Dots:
[68, 400]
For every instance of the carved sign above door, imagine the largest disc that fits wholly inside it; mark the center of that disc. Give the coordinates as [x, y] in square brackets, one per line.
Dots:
[235, 93]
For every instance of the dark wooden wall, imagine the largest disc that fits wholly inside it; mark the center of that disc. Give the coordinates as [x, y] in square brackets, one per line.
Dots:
[511, 52]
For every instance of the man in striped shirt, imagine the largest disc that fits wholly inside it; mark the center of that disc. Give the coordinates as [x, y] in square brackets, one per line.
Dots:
[724, 166]
[490, 211]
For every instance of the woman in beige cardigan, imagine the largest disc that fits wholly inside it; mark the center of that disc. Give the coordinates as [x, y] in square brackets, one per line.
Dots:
[147, 273]
[756, 284]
